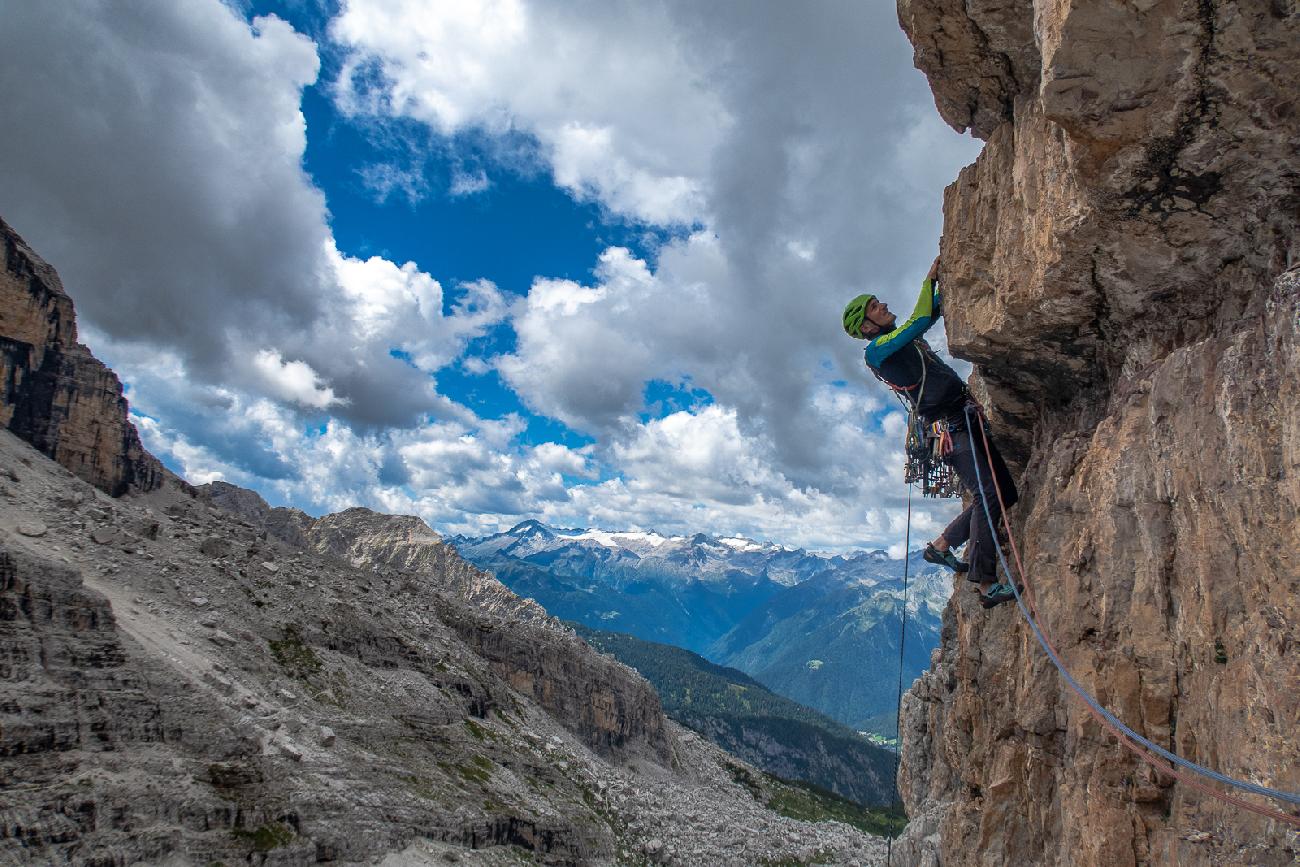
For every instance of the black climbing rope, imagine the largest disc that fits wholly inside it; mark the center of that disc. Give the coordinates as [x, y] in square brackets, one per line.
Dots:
[902, 638]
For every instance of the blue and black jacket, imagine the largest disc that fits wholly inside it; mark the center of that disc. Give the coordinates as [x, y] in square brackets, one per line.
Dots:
[902, 358]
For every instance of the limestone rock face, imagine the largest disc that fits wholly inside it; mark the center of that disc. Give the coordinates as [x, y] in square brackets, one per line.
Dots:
[1120, 263]
[53, 392]
[978, 54]
[406, 543]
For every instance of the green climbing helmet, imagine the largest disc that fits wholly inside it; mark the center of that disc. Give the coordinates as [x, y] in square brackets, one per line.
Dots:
[854, 313]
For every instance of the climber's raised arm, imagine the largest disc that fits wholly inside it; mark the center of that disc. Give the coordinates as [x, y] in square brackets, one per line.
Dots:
[887, 339]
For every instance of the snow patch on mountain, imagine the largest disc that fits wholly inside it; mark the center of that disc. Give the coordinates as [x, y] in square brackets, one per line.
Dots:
[630, 540]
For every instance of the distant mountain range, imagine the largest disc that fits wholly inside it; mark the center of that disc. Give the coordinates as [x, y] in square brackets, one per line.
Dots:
[821, 629]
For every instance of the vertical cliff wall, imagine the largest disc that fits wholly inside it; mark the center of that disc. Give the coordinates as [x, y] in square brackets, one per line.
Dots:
[1120, 264]
[53, 393]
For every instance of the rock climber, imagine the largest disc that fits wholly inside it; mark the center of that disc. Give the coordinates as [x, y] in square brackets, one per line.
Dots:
[901, 358]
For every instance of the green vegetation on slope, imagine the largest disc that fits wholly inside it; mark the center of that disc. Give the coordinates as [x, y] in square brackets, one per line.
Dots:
[810, 803]
[883, 727]
[813, 642]
[750, 721]
[688, 682]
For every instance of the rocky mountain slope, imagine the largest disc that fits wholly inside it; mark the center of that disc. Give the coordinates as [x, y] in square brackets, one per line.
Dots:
[800, 622]
[1120, 264]
[181, 684]
[405, 545]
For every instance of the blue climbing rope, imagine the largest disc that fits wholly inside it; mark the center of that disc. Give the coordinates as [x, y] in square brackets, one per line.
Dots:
[1290, 797]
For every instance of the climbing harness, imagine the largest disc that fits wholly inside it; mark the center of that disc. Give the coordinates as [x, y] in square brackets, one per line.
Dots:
[1131, 740]
[926, 444]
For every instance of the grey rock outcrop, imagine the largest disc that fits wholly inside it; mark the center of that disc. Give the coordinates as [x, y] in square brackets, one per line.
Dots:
[610, 707]
[53, 393]
[1120, 264]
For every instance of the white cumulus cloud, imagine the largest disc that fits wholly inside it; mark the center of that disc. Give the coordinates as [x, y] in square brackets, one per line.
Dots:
[798, 141]
[155, 153]
[156, 159]
[293, 381]
[616, 98]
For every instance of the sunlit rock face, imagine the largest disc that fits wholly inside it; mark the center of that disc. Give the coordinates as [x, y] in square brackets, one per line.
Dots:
[53, 393]
[1120, 263]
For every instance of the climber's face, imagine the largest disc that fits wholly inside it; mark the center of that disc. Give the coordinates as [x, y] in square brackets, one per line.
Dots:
[878, 320]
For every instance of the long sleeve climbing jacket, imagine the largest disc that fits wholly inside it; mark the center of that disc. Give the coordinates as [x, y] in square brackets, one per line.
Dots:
[908, 365]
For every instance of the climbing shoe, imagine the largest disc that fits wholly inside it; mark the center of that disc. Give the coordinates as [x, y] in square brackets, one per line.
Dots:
[944, 558]
[998, 594]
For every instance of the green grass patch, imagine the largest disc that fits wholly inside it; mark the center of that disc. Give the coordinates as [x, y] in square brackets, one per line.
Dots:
[741, 775]
[300, 662]
[503, 718]
[233, 775]
[480, 733]
[266, 837]
[809, 803]
[479, 770]
[422, 788]
[294, 656]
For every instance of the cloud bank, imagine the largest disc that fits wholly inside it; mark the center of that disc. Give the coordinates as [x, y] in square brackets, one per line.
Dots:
[155, 155]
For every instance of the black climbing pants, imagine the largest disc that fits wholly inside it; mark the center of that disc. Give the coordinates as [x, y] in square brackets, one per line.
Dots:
[972, 525]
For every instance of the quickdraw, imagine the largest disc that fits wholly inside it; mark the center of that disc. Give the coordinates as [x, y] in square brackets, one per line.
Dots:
[926, 445]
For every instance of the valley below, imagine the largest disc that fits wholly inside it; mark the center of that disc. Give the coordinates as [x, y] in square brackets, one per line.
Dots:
[800, 623]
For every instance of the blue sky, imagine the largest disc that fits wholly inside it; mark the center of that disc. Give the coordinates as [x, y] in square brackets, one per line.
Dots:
[455, 236]
[492, 260]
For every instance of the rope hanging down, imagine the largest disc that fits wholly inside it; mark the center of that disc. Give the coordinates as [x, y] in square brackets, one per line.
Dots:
[902, 638]
[1129, 738]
